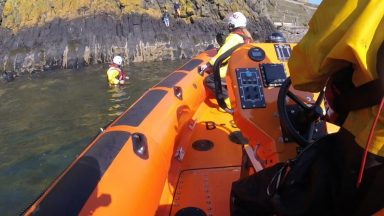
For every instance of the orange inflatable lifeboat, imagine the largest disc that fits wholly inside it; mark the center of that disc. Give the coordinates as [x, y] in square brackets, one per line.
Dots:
[175, 151]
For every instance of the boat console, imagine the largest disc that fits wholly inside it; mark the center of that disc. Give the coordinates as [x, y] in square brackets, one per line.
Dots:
[273, 123]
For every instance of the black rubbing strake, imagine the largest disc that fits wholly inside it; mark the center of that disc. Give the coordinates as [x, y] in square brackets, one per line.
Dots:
[73, 190]
[172, 80]
[191, 65]
[137, 113]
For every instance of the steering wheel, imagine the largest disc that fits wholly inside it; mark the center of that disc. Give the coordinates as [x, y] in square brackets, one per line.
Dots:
[303, 127]
[216, 77]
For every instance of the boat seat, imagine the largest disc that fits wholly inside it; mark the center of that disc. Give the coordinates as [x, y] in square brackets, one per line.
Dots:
[209, 83]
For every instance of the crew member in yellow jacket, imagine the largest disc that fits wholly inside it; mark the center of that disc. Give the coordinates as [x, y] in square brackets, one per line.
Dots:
[237, 23]
[351, 40]
[344, 51]
[115, 74]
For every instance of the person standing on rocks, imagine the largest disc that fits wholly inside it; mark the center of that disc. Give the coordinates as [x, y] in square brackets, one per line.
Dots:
[165, 18]
[237, 23]
[176, 7]
[115, 74]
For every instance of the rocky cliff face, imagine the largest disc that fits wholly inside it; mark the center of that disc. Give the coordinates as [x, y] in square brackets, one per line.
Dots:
[47, 34]
[2, 2]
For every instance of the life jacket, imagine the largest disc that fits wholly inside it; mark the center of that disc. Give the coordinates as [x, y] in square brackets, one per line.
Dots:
[121, 72]
[247, 40]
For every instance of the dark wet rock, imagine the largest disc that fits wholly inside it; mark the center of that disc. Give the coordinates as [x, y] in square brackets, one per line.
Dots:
[2, 2]
[7, 76]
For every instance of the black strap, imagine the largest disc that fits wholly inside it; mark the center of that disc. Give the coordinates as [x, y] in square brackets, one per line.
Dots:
[217, 79]
[351, 98]
[366, 95]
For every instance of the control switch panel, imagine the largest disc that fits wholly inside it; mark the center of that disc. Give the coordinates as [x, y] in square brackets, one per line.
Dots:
[250, 87]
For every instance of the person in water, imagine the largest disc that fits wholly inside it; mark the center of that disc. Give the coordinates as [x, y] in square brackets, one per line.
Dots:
[348, 58]
[239, 34]
[115, 73]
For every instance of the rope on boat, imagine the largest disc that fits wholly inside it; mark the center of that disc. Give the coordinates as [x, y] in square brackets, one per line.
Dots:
[360, 178]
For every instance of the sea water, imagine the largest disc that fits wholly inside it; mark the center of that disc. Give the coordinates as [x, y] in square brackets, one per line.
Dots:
[47, 118]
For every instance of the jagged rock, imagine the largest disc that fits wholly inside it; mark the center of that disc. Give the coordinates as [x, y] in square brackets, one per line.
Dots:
[7, 76]
[39, 35]
[2, 2]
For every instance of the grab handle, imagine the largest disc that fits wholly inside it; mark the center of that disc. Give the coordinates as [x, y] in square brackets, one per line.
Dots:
[140, 145]
[200, 71]
[178, 92]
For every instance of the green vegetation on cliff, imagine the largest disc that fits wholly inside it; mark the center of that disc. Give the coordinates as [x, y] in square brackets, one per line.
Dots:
[25, 13]
[18, 14]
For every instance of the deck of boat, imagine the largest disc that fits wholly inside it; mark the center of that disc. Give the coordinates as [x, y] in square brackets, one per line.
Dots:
[211, 163]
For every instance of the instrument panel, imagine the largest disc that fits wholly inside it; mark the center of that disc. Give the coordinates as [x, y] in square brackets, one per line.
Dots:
[273, 74]
[250, 88]
[264, 74]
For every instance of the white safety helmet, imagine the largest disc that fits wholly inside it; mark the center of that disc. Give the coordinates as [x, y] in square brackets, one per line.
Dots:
[237, 20]
[118, 60]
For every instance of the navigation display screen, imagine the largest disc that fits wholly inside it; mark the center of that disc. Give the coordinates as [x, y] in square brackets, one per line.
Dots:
[273, 74]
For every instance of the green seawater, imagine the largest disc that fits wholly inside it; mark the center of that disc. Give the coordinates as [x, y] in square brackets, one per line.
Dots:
[47, 119]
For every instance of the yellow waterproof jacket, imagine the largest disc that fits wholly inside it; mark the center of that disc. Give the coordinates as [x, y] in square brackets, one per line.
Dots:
[231, 40]
[113, 76]
[342, 31]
